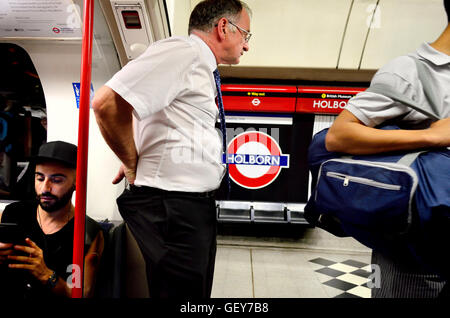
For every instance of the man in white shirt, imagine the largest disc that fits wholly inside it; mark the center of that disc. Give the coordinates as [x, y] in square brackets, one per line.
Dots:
[158, 115]
[354, 131]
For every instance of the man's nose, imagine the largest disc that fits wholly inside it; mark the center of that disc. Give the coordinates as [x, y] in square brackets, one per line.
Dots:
[246, 47]
[46, 186]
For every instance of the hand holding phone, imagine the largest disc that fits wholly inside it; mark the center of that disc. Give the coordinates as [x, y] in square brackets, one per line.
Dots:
[12, 233]
[5, 250]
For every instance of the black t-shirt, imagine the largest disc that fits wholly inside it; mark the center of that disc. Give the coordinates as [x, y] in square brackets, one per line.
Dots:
[57, 249]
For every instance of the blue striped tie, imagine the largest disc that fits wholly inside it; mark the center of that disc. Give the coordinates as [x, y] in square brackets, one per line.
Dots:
[222, 124]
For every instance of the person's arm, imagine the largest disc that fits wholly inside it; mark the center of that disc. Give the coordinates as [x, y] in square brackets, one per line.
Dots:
[349, 135]
[5, 248]
[92, 263]
[114, 118]
[34, 263]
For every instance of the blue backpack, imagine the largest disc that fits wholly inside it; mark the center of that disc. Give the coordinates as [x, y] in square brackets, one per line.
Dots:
[386, 201]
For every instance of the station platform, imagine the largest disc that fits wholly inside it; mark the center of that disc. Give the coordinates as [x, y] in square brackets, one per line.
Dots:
[296, 262]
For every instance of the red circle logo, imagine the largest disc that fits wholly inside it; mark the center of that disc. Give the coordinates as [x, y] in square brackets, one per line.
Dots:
[255, 160]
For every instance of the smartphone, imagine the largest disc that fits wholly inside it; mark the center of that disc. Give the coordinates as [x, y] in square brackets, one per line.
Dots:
[12, 233]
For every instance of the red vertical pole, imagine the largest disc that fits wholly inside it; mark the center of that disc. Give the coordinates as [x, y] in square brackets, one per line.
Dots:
[82, 155]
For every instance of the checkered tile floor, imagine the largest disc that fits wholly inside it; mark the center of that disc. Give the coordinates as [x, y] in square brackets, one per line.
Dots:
[349, 276]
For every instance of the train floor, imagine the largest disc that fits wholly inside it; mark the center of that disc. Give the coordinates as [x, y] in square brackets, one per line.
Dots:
[267, 261]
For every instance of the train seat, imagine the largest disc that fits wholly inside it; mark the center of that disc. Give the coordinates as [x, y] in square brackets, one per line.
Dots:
[122, 273]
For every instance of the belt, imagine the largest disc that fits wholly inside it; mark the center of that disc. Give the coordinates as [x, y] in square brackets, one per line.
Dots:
[156, 191]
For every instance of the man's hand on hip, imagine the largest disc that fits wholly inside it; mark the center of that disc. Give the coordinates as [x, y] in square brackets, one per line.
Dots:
[130, 174]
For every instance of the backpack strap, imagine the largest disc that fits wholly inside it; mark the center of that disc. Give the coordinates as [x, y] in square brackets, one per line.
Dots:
[426, 79]
[386, 90]
[409, 158]
[405, 160]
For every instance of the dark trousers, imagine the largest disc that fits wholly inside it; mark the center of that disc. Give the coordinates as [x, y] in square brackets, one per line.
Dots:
[176, 233]
[403, 277]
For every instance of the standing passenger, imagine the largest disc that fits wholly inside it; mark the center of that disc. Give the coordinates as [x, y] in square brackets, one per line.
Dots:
[353, 132]
[173, 160]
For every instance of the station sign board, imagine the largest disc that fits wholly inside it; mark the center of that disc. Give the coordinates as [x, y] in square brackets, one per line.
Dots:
[259, 98]
[326, 100]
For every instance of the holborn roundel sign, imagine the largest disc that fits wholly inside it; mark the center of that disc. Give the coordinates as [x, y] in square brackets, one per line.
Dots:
[255, 159]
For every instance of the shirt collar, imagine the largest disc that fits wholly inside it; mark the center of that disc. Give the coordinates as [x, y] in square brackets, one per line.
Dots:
[206, 52]
[431, 54]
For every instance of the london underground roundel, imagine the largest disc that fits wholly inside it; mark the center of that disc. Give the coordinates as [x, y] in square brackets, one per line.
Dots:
[255, 159]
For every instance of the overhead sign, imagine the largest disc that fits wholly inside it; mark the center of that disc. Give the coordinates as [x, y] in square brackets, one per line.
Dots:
[255, 159]
[43, 18]
[331, 100]
[286, 99]
[259, 98]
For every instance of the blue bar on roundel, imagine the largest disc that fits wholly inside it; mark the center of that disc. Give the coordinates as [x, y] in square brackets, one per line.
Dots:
[257, 160]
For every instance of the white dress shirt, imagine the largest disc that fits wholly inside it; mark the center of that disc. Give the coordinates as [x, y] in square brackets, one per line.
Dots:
[172, 90]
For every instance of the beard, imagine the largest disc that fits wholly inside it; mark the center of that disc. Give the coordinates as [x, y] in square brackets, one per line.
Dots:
[56, 203]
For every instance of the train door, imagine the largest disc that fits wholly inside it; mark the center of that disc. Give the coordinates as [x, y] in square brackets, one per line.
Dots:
[23, 121]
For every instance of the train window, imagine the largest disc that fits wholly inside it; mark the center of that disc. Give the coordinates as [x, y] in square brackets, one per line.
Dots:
[23, 121]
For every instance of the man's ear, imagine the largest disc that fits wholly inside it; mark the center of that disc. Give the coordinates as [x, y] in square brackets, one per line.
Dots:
[222, 28]
[74, 185]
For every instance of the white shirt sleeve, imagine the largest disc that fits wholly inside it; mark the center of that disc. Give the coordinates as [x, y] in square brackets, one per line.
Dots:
[154, 79]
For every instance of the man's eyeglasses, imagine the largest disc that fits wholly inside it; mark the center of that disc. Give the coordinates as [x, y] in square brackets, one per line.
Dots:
[247, 35]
